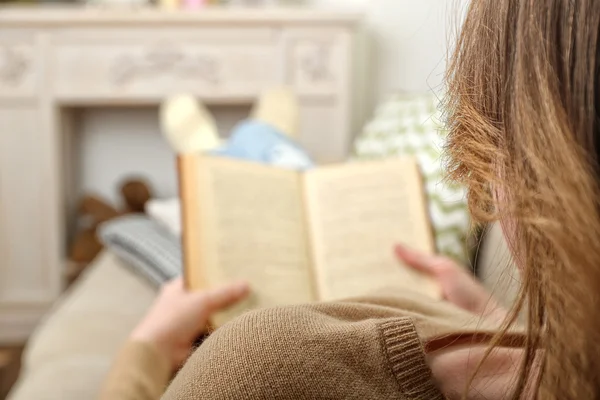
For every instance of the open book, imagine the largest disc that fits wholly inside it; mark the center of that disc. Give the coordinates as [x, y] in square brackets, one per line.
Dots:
[298, 237]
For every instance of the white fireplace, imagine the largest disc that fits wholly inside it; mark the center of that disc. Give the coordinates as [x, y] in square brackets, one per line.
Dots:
[61, 69]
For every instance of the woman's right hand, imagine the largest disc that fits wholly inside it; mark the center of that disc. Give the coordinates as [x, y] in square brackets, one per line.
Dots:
[179, 316]
[458, 286]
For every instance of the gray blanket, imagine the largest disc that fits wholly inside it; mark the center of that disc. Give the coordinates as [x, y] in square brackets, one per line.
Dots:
[145, 246]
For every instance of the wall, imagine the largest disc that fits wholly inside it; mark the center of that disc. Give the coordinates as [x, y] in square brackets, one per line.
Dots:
[407, 42]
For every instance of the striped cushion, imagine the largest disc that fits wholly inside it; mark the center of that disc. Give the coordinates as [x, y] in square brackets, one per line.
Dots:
[145, 246]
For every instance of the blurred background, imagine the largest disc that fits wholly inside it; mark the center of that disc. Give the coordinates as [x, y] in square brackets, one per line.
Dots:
[404, 52]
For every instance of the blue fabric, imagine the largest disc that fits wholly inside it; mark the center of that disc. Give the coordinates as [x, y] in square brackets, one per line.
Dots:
[260, 142]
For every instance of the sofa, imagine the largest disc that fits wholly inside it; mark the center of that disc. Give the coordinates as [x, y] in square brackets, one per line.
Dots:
[69, 354]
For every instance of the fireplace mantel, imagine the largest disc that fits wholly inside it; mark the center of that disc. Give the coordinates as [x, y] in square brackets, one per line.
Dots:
[56, 59]
[95, 16]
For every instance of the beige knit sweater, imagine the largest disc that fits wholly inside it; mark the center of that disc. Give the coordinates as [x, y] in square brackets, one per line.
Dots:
[369, 348]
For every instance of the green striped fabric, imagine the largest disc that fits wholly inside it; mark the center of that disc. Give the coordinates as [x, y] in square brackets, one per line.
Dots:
[411, 125]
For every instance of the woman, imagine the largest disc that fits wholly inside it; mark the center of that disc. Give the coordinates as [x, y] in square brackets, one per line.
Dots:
[523, 94]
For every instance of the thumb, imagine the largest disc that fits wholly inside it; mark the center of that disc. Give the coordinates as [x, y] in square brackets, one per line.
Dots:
[418, 260]
[224, 296]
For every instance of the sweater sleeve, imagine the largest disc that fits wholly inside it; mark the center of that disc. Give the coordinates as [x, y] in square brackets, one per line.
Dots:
[139, 372]
[298, 352]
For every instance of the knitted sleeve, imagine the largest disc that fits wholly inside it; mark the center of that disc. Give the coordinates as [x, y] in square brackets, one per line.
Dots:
[140, 372]
[333, 351]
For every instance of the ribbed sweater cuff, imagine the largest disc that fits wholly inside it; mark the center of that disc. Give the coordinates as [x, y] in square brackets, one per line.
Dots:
[407, 360]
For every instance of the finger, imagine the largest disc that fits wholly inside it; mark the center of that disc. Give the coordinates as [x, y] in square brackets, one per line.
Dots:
[418, 260]
[224, 296]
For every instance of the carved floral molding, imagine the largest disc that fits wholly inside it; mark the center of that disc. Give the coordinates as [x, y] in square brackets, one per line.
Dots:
[315, 62]
[13, 65]
[165, 61]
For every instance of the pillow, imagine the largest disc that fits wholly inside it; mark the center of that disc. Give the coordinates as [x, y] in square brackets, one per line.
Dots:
[411, 125]
[146, 247]
[167, 213]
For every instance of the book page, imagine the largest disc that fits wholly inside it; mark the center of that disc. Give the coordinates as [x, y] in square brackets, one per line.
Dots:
[357, 213]
[253, 228]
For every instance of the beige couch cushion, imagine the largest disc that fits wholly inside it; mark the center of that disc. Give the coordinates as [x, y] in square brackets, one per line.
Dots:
[495, 267]
[71, 351]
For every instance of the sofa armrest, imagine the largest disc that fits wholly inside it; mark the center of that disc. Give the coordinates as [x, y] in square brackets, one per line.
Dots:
[71, 351]
[496, 268]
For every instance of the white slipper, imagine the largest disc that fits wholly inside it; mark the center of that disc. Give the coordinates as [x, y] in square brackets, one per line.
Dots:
[188, 125]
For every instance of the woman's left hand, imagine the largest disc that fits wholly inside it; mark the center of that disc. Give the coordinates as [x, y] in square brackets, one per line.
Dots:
[179, 317]
[458, 286]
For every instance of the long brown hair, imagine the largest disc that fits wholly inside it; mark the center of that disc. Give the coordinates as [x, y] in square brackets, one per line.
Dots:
[523, 93]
